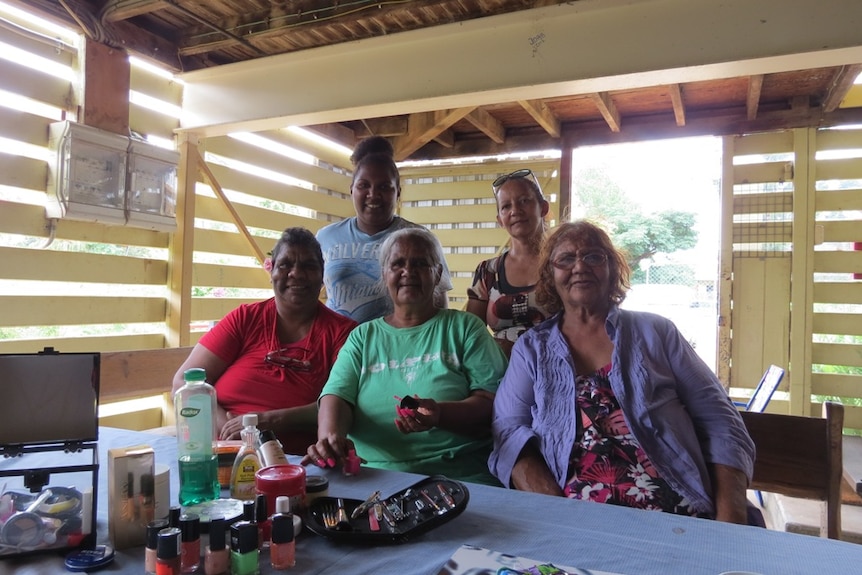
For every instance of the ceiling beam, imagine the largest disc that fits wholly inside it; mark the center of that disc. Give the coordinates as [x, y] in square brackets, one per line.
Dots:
[388, 127]
[487, 124]
[424, 127]
[678, 105]
[543, 115]
[119, 11]
[723, 122]
[446, 138]
[606, 107]
[752, 97]
[734, 38]
[841, 84]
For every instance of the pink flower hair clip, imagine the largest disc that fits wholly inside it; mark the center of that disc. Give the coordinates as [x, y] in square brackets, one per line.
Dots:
[267, 264]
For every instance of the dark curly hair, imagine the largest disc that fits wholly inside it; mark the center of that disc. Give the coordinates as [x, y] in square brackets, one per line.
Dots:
[376, 151]
[581, 233]
[298, 237]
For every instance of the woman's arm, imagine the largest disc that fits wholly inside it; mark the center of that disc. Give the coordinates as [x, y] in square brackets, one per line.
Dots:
[730, 501]
[334, 420]
[302, 418]
[531, 473]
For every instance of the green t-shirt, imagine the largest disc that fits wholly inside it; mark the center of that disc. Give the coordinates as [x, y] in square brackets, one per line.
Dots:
[445, 359]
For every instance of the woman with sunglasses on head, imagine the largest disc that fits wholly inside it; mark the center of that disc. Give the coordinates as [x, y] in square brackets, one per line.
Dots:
[273, 357]
[351, 246]
[503, 290]
[412, 391]
[614, 406]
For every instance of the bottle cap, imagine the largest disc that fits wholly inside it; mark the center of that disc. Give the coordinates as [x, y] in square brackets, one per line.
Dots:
[174, 515]
[249, 419]
[282, 504]
[282, 528]
[248, 510]
[266, 435]
[153, 528]
[316, 483]
[195, 374]
[243, 537]
[169, 543]
[218, 528]
[260, 512]
[190, 527]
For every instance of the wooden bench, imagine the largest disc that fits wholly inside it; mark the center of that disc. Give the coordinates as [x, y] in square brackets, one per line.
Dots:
[138, 374]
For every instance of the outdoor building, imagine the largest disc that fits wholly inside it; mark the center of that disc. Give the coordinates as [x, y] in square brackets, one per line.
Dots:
[775, 90]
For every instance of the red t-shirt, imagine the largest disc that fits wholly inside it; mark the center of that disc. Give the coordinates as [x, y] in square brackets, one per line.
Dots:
[250, 384]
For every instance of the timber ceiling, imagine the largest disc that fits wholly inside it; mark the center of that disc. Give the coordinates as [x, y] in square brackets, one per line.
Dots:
[188, 35]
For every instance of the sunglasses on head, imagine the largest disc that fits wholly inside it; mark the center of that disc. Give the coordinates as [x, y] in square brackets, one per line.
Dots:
[522, 173]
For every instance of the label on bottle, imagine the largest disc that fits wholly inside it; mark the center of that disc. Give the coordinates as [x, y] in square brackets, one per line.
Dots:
[197, 427]
[243, 484]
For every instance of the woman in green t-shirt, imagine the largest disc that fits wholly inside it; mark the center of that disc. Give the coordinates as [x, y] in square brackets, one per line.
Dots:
[444, 359]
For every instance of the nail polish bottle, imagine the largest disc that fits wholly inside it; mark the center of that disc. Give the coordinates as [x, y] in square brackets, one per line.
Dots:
[168, 560]
[282, 551]
[261, 517]
[351, 464]
[244, 553]
[190, 527]
[216, 555]
[152, 544]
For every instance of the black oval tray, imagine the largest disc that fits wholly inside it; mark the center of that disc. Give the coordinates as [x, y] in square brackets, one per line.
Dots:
[406, 518]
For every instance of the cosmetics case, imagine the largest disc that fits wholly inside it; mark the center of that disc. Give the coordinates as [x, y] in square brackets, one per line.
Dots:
[49, 466]
[400, 517]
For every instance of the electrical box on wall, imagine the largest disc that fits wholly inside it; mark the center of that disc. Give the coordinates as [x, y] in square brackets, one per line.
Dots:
[99, 176]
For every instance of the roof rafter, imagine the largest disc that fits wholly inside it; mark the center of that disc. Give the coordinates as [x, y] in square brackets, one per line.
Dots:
[607, 108]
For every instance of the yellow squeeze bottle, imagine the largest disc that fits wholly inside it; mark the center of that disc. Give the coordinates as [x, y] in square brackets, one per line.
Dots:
[247, 461]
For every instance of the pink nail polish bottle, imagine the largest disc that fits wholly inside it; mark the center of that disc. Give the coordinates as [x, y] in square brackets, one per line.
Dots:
[351, 464]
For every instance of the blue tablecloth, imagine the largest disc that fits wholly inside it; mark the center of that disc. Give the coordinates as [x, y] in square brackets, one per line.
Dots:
[586, 535]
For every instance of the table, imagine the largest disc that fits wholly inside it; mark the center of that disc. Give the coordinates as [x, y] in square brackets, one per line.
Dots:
[586, 535]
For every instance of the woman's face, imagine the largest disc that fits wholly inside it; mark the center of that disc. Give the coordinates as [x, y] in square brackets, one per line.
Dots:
[297, 276]
[374, 192]
[519, 211]
[410, 275]
[581, 283]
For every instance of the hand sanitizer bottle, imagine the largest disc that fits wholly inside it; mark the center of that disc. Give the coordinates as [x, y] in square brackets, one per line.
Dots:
[195, 405]
[247, 461]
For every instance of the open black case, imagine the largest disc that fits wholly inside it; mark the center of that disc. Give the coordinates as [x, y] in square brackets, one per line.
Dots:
[49, 468]
[401, 516]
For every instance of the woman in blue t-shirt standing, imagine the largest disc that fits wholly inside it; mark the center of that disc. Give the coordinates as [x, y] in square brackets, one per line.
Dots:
[351, 246]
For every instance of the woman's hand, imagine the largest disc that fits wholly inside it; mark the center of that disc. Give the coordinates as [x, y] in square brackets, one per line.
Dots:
[421, 418]
[329, 451]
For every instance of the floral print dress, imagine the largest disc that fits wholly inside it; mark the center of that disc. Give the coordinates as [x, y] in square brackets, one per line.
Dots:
[607, 464]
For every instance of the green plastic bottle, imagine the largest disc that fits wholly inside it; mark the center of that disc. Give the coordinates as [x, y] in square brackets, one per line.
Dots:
[195, 405]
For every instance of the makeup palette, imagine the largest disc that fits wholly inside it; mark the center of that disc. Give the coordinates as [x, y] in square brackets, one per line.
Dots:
[399, 517]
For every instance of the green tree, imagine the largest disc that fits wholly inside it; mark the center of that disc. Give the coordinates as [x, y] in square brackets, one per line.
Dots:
[638, 234]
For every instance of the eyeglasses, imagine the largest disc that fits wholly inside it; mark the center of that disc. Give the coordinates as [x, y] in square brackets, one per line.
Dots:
[522, 173]
[569, 261]
[289, 358]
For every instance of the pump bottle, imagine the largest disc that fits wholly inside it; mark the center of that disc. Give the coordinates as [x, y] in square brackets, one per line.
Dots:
[195, 404]
[247, 462]
[271, 452]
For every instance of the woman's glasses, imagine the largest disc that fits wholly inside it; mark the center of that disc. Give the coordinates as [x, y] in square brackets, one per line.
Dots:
[522, 173]
[566, 262]
[289, 358]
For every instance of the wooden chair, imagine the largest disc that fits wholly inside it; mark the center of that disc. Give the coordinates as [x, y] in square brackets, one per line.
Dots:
[801, 457]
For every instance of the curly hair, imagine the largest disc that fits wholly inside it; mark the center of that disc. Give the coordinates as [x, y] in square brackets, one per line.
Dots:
[582, 233]
[298, 237]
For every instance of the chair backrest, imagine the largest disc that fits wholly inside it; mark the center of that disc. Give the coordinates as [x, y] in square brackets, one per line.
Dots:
[767, 386]
[801, 457]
